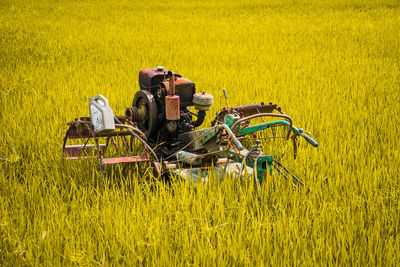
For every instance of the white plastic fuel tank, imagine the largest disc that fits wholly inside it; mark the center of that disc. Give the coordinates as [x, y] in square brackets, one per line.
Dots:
[101, 114]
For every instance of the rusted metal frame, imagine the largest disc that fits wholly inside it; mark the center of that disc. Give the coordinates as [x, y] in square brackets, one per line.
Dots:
[105, 161]
[138, 134]
[76, 153]
[269, 115]
[102, 168]
[244, 109]
[133, 159]
[100, 134]
[73, 125]
[141, 134]
[89, 121]
[76, 131]
[263, 115]
[131, 125]
[132, 128]
[112, 133]
[84, 146]
[124, 158]
[66, 138]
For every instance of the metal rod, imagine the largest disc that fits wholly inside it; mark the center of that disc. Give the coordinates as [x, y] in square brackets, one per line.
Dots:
[291, 174]
[171, 83]
[226, 100]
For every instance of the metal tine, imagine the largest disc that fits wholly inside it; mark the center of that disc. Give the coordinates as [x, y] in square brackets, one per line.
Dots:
[285, 169]
[284, 175]
[291, 174]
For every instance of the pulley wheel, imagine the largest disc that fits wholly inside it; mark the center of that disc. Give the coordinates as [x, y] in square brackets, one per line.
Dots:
[147, 117]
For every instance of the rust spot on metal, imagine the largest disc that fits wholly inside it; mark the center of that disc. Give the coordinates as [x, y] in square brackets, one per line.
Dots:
[172, 108]
[82, 151]
[108, 161]
[246, 110]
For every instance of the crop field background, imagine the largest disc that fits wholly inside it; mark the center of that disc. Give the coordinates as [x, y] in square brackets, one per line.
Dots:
[333, 66]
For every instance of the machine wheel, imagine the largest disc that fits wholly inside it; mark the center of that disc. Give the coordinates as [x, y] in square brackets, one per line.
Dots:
[147, 117]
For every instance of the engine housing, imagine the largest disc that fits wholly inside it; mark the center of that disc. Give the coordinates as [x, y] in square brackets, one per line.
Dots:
[150, 110]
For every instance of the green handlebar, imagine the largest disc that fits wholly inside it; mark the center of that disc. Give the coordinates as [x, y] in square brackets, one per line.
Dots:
[258, 127]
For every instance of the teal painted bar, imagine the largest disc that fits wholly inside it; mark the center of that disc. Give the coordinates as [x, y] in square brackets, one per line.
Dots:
[263, 126]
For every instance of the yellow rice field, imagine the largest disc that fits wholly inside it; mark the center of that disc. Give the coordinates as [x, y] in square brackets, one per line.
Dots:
[333, 66]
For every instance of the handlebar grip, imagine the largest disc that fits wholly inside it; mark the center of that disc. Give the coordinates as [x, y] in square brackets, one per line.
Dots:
[310, 140]
[238, 144]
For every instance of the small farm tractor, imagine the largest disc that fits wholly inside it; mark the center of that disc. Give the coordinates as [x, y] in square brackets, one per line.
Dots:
[160, 131]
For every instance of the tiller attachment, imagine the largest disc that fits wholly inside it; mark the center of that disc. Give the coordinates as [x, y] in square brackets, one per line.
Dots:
[124, 144]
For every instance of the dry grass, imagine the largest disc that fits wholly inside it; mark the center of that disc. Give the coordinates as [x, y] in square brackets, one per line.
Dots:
[334, 67]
